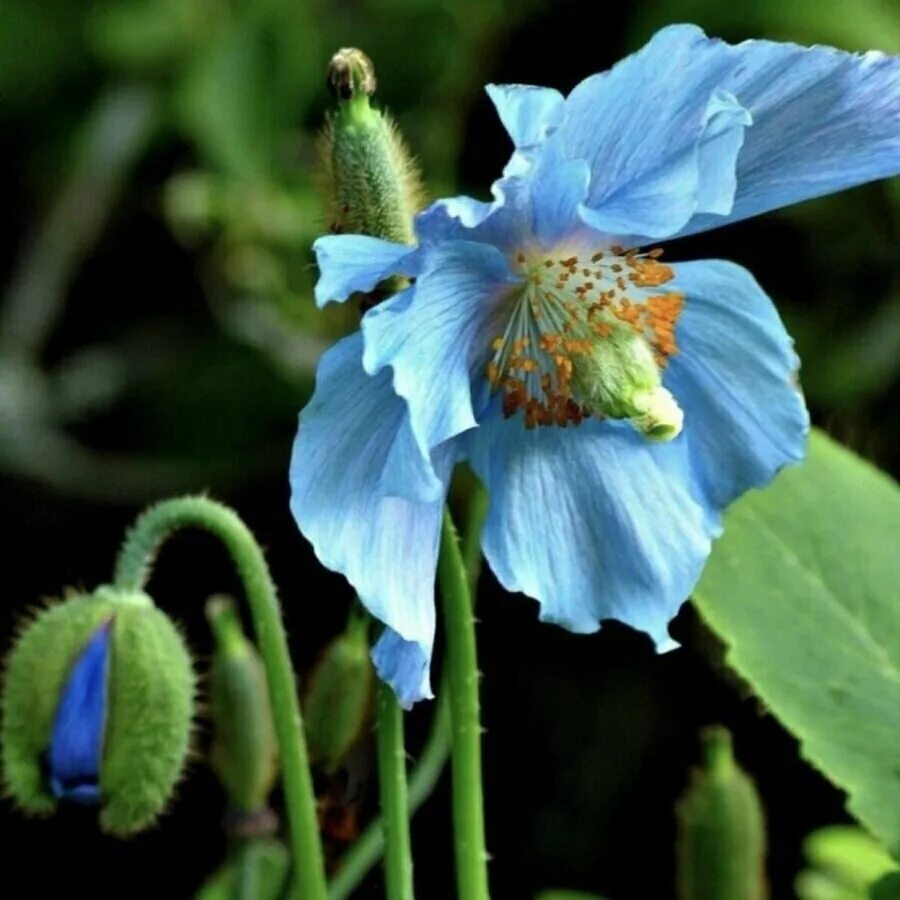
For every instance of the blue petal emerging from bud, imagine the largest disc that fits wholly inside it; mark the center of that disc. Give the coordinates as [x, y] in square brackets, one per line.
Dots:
[76, 745]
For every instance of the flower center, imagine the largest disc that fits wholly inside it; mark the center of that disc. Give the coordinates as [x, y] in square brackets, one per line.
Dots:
[589, 337]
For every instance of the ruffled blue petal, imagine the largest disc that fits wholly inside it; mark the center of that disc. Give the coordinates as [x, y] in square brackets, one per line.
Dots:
[76, 743]
[659, 135]
[353, 432]
[735, 379]
[356, 262]
[405, 666]
[529, 114]
[594, 522]
[452, 219]
[823, 120]
[435, 335]
[506, 222]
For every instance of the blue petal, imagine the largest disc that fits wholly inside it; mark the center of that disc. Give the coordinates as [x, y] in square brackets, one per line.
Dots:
[353, 433]
[356, 262]
[405, 666]
[659, 134]
[559, 187]
[451, 219]
[735, 379]
[436, 336]
[506, 222]
[823, 120]
[76, 743]
[594, 522]
[529, 114]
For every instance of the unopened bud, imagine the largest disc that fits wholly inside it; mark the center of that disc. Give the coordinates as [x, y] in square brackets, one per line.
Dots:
[721, 829]
[97, 709]
[338, 701]
[244, 749]
[371, 181]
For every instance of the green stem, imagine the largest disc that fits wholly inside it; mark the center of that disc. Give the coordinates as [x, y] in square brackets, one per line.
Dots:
[246, 872]
[394, 800]
[133, 569]
[462, 672]
[368, 848]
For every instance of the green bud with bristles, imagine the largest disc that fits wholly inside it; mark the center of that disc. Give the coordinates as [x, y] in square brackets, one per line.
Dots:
[620, 379]
[721, 829]
[372, 183]
[97, 708]
[337, 704]
[244, 749]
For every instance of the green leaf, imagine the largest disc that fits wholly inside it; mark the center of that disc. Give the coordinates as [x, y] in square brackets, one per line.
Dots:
[803, 587]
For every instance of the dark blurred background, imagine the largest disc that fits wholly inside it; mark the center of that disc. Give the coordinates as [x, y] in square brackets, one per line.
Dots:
[157, 335]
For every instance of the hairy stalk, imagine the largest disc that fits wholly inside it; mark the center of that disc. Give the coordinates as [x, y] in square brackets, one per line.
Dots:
[133, 569]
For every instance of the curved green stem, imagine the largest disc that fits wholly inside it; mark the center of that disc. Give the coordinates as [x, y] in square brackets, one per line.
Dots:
[462, 674]
[133, 569]
[394, 800]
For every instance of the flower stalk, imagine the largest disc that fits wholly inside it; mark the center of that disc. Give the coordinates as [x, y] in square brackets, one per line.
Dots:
[394, 796]
[133, 569]
[462, 682]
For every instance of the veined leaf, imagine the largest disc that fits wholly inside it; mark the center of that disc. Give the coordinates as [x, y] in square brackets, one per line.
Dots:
[804, 587]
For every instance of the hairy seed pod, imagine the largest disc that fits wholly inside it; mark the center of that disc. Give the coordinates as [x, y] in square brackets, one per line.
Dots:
[372, 184]
[338, 700]
[97, 709]
[721, 829]
[244, 750]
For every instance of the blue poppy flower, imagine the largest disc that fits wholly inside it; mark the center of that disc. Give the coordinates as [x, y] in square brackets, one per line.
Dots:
[76, 744]
[611, 403]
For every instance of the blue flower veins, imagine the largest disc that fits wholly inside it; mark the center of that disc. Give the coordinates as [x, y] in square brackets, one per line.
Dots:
[612, 403]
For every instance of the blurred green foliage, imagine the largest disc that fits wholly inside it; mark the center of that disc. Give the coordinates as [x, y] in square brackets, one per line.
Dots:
[844, 862]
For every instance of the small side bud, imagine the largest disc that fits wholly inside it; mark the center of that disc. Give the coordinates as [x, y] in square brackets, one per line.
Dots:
[97, 709]
[244, 750]
[338, 701]
[372, 184]
[721, 829]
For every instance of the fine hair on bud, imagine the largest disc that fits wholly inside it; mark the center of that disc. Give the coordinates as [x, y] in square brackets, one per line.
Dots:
[371, 183]
[97, 706]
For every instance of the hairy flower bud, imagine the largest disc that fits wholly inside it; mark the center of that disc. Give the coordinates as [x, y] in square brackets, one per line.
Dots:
[244, 750]
[372, 184]
[338, 700]
[97, 708]
[721, 830]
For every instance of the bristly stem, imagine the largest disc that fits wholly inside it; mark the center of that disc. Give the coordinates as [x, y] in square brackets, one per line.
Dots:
[133, 569]
[394, 796]
[465, 752]
[367, 849]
